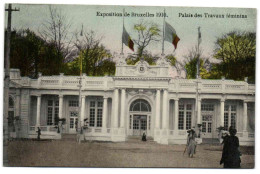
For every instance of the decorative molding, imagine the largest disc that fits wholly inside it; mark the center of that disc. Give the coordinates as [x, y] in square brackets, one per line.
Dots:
[140, 91]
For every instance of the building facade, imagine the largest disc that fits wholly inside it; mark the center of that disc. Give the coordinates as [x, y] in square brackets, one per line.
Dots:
[138, 98]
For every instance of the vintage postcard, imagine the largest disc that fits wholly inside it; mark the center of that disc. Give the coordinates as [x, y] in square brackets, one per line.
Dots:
[129, 86]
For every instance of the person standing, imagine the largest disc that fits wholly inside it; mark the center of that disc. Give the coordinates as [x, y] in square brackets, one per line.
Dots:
[191, 143]
[230, 153]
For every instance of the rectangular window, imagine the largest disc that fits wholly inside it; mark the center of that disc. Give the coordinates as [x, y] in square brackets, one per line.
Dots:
[185, 116]
[73, 103]
[92, 104]
[226, 107]
[143, 124]
[92, 117]
[230, 116]
[130, 122]
[95, 113]
[233, 108]
[189, 107]
[226, 121]
[71, 123]
[209, 127]
[207, 107]
[52, 111]
[50, 102]
[181, 120]
[136, 124]
[49, 118]
[181, 107]
[74, 114]
[233, 120]
[57, 103]
[99, 118]
[188, 120]
[203, 127]
[100, 104]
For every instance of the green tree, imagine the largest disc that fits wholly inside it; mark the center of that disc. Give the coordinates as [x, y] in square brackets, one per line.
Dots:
[146, 33]
[96, 59]
[189, 64]
[237, 52]
[55, 32]
[31, 54]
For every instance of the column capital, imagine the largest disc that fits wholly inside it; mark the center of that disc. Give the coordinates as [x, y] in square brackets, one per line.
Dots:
[246, 101]
[123, 88]
[105, 97]
[60, 95]
[83, 96]
[176, 99]
[38, 95]
[222, 100]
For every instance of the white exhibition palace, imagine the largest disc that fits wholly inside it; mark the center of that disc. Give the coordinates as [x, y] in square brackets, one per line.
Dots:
[138, 98]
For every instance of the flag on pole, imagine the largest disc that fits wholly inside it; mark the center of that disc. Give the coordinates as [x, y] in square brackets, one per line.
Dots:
[126, 39]
[170, 35]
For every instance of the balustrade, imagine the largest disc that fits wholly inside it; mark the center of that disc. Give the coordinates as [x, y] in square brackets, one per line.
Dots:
[181, 85]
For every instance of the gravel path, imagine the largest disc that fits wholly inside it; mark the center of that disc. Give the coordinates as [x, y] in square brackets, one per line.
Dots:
[128, 154]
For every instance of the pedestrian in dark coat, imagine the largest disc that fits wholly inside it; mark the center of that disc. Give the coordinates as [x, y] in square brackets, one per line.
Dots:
[144, 137]
[191, 143]
[231, 153]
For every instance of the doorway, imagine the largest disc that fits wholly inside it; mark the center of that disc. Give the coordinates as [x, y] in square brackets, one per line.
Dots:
[207, 126]
[139, 125]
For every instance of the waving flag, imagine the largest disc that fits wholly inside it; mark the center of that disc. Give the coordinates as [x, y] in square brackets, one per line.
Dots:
[126, 39]
[170, 35]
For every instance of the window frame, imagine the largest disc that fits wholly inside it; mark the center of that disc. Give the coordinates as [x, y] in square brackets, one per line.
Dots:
[185, 116]
[54, 111]
[96, 113]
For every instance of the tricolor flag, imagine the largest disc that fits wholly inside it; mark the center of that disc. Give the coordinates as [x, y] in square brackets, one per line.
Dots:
[126, 39]
[170, 35]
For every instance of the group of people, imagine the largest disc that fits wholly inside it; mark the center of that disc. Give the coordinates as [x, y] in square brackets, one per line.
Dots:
[230, 154]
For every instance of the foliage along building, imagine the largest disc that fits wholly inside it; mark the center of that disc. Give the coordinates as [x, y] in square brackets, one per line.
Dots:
[138, 98]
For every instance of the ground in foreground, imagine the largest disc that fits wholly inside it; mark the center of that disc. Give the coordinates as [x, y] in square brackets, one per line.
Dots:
[107, 154]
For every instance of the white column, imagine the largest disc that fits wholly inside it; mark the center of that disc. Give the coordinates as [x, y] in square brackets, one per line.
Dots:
[115, 108]
[122, 113]
[165, 111]
[60, 106]
[199, 112]
[104, 118]
[222, 107]
[158, 104]
[176, 114]
[38, 110]
[245, 117]
[82, 112]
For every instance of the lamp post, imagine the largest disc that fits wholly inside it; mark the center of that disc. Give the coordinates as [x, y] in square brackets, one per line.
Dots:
[6, 84]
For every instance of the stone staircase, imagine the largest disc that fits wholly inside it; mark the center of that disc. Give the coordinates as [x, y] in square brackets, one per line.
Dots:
[69, 137]
[214, 141]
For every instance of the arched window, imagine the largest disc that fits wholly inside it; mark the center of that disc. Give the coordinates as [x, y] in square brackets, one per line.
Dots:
[140, 105]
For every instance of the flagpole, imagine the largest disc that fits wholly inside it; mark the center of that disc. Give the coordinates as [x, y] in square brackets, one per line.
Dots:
[198, 59]
[122, 47]
[163, 32]
[197, 83]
